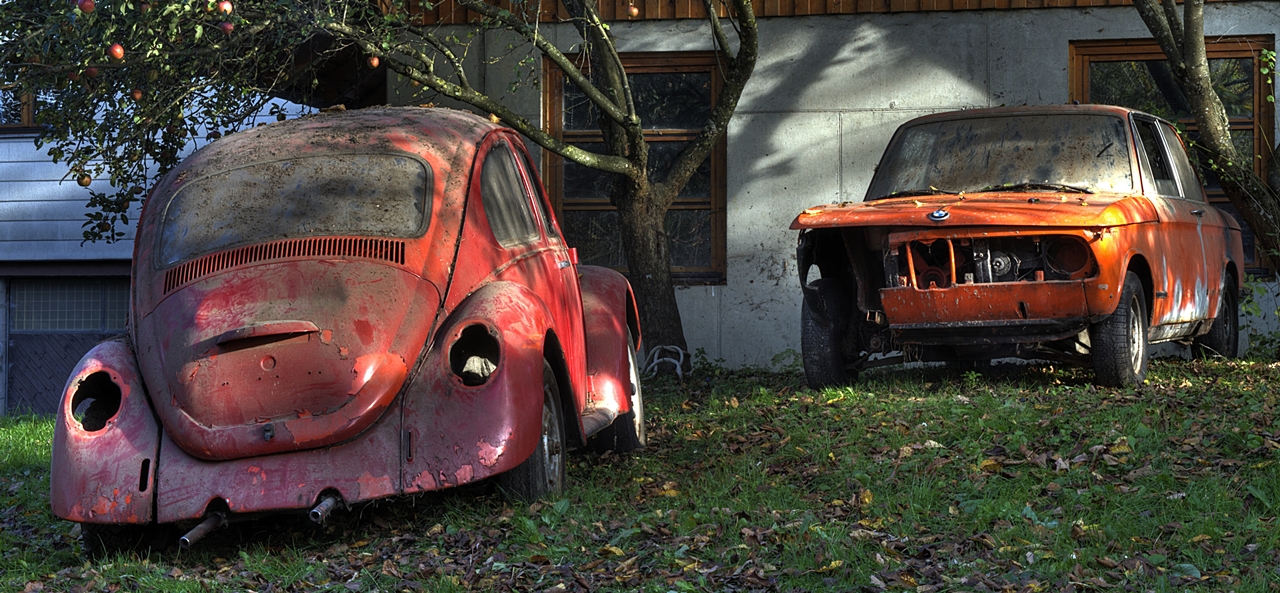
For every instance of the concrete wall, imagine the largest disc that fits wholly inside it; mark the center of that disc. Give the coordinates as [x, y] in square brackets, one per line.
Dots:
[827, 93]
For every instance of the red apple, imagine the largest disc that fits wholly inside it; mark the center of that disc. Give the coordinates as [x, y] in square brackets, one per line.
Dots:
[84, 180]
[227, 27]
[373, 61]
[136, 94]
[73, 76]
[86, 6]
[224, 7]
[116, 51]
[91, 72]
[144, 7]
[633, 11]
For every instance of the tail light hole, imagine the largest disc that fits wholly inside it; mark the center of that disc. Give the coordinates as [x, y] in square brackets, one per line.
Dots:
[474, 357]
[96, 401]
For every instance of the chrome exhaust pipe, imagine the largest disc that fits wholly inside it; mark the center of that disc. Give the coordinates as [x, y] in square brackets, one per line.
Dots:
[213, 521]
[322, 510]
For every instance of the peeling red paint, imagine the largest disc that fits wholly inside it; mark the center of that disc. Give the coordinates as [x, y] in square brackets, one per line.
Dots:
[463, 475]
[488, 453]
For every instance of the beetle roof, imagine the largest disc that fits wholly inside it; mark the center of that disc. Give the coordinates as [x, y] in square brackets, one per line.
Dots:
[437, 134]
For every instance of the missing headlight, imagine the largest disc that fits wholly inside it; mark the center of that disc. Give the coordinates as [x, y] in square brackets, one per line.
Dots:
[96, 401]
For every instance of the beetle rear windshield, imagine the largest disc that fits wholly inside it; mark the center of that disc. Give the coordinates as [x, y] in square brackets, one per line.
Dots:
[984, 154]
[352, 194]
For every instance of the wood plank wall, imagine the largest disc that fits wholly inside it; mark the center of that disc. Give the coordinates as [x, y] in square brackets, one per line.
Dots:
[449, 13]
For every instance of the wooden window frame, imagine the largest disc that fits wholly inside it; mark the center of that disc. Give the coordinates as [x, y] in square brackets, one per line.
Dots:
[641, 63]
[1262, 124]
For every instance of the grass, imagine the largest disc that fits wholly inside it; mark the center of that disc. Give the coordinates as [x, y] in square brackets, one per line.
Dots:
[1023, 478]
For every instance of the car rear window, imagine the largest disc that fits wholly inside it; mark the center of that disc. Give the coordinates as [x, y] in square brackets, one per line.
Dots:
[977, 154]
[344, 194]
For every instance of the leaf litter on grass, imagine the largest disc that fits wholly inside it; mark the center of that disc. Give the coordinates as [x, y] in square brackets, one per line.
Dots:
[1025, 479]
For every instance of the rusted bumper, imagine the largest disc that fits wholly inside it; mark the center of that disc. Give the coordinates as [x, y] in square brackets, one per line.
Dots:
[997, 313]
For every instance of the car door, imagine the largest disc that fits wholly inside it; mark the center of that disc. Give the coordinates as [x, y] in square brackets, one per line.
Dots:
[559, 264]
[1178, 244]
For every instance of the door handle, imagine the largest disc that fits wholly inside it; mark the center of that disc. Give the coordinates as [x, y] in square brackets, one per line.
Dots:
[1198, 212]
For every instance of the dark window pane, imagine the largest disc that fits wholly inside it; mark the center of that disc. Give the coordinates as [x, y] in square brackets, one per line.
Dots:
[672, 100]
[10, 109]
[505, 202]
[587, 184]
[1243, 139]
[1150, 86]
[664, 100]
[689, 232]
[595, 234]
[584, 183]
[663, 154]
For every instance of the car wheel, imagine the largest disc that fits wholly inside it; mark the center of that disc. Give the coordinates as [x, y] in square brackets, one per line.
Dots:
[1119, 341]
[1223, 338]
[543, 473]
[626, 433]
[822, 338]
[101, 541]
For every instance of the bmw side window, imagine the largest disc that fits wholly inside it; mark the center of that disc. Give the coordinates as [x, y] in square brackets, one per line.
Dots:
[1191, 188]
[505, 202]
[1158, 167]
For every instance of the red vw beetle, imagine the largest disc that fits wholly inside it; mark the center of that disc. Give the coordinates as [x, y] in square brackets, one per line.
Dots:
[341, 308]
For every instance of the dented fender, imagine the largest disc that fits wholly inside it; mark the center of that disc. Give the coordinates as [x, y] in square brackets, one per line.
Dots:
[104, 459]
[605, 292]
[456, 432]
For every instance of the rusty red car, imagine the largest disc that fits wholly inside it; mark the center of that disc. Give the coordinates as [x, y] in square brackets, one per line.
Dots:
[1076, 234]
[341, 308]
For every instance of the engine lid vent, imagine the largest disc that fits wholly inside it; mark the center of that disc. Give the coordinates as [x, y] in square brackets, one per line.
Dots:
[380, 249]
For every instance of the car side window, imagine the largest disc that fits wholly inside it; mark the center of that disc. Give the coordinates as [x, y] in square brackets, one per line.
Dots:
[1158, 167]
[505, 202]
[540, 199]
[1191, 188]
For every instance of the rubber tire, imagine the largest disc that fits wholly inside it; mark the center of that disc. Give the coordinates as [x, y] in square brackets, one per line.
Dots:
[1223, 338]
[821, 345]
[1119, 341]
[543, 473]
[626, 433]
[103, 541]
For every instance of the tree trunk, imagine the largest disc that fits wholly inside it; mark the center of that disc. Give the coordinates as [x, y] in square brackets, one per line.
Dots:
[644, 240]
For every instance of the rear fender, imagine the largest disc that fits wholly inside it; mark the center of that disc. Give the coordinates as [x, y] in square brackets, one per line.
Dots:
[606, 300]
[462, 429]
[104, 457]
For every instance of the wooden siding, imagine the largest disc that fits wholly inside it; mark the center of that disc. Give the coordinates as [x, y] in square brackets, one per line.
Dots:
[449, 13]
[41, 213]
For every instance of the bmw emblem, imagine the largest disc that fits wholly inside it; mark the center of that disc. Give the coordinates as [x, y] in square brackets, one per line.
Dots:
[939, 215]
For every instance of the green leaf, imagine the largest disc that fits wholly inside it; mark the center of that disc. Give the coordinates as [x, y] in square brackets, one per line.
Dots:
[1185, 570]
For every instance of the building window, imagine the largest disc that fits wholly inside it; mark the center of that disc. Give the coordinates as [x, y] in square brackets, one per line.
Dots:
[674, 94]
[69, 305]
[1135, 74]
[16, 111]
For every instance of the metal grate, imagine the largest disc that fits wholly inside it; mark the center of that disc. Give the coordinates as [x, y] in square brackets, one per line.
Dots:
[380, 249]
[65, 304]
